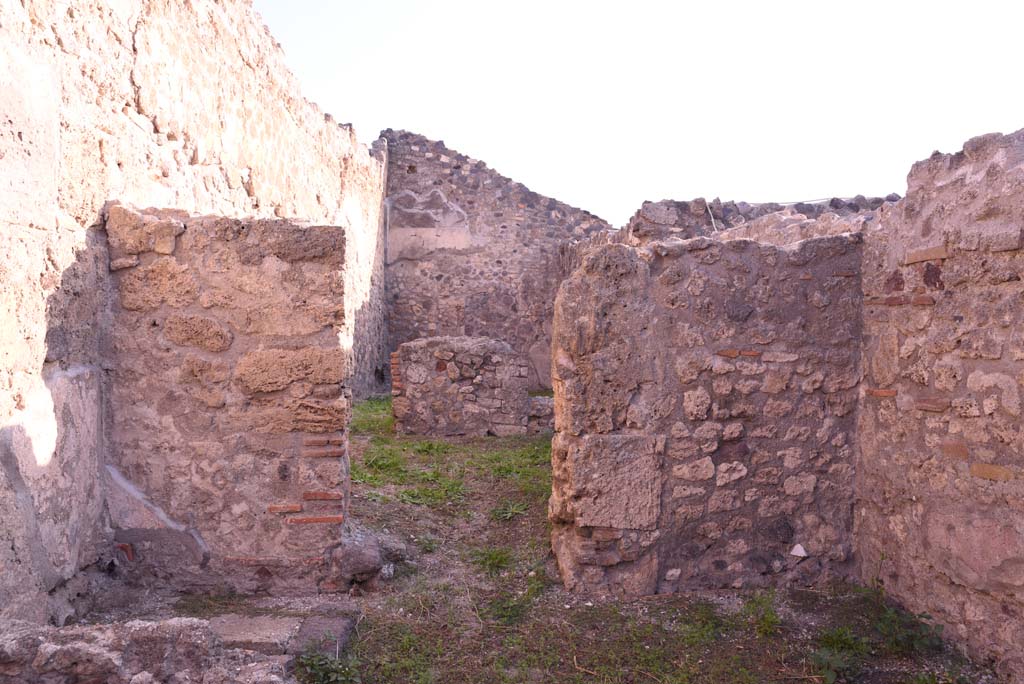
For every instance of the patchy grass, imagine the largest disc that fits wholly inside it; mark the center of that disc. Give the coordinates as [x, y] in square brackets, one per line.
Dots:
[760, 612]
[492, 560]
[508, 510]
[372, 417]
[485, 604]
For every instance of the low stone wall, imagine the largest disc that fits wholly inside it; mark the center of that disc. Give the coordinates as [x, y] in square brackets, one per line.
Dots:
[228, 401]
[940, 517]
[460, 386]
[704, 408]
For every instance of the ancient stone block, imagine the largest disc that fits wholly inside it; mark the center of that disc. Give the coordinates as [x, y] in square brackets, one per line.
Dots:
[198, 331]
[269, 370]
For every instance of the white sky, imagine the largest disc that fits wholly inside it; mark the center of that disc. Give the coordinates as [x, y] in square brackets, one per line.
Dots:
[606, 104]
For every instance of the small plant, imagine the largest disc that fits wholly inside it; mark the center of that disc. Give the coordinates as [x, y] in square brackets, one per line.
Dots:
[906, 633]
[428, 448]
[313, 667]
[760, 611]
[511, 609]
[833, 666]
[843, 640]
[508, 510]
[427, 543]
[492, 560]
[703, 626]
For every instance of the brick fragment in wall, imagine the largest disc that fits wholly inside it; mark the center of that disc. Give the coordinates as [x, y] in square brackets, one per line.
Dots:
[644, 355]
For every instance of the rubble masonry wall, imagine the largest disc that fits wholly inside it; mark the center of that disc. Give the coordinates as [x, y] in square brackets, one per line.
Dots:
[472, 253]
[940, 495]
[159, 103]
[704, 412]
[460, 386]
[229, 399]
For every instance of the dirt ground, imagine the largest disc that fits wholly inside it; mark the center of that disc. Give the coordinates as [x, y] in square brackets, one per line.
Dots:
[481, 602]
[477, 598]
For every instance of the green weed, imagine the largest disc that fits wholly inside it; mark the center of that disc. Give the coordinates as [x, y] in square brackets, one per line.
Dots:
[313, 667]
[507, 510]
[492, 560]
[905, 633]
[760, 612]
[372, 417]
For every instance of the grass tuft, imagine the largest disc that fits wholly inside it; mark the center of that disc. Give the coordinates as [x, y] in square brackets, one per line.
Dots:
[492, 560]
[372, 417]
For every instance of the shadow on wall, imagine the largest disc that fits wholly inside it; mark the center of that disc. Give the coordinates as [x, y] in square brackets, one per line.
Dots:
[51, 503]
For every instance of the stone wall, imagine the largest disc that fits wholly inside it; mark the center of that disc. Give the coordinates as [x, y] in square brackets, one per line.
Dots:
[158, 103]
[471, 252]
[704, 412]
[459, 386]
[229, 400]
[940, 511]
[772, 223]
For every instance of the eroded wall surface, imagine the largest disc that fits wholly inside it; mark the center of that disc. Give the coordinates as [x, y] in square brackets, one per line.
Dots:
[229, 401]
[163, 103]
[472, 253]
[940, 517]
[704, 414]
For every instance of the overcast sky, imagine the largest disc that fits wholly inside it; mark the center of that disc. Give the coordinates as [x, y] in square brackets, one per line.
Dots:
[606, 104]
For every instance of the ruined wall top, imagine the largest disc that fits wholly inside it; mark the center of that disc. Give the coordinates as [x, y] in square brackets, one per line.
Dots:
[771, 222]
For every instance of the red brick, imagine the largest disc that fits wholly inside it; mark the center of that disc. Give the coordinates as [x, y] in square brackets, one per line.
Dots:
[322, 496]
[934, 404]
[316, 519]
[750, 352]
[324, 453]
[988, 471]
[927, 254]
[956, 450]
[728, 353]
[127, 550]
[323, 441]
[284, 508]
[881, 392]
[923, 300]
